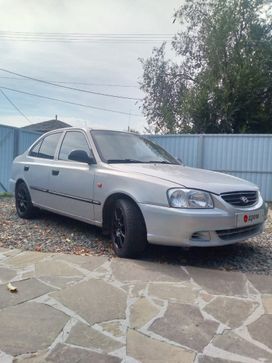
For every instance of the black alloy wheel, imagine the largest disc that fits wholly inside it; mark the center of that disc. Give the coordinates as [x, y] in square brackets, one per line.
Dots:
[118, 228]
[128, 231]
[24, 206]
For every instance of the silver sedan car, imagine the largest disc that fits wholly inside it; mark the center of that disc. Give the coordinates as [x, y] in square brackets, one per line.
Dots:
[135, 190]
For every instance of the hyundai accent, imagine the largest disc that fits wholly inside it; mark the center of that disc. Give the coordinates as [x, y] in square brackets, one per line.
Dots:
[135, 190]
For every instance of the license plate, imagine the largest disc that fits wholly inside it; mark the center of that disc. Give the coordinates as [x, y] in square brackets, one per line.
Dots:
[250, 218]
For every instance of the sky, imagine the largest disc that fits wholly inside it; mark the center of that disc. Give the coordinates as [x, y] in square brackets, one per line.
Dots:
[110, 67]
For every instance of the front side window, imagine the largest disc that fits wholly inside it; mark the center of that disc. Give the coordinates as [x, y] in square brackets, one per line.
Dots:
[73, 140]
[122, 147]
[48, 146]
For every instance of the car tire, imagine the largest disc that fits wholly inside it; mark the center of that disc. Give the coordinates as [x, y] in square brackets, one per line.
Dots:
[24, 206]
[128, 231]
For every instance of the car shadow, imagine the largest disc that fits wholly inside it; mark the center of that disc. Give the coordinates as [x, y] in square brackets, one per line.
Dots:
[249, 256]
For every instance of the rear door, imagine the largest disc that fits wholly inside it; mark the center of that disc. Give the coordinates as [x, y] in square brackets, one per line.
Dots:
[71, 182]
[37, 166]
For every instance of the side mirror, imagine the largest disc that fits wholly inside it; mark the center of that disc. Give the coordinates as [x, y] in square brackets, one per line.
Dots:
[81, 156]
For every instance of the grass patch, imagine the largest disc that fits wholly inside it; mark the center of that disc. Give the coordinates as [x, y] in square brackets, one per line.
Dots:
[5, 195]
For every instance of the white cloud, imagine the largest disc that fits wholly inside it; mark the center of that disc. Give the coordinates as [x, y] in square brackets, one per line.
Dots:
[83, 62]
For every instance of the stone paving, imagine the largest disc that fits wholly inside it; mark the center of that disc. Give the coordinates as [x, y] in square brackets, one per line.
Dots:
[92, 309]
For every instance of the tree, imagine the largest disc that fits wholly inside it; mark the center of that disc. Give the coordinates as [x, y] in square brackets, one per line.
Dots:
[221, 79]
[134, 131]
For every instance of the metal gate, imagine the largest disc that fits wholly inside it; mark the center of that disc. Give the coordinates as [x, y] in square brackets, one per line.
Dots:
[13, 141]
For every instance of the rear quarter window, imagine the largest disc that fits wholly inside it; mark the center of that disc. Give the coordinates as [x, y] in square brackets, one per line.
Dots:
[35, 150]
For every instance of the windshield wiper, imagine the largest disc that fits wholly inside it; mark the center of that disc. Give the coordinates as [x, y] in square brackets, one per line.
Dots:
[116, 161]
[159, 162]
[113, 161]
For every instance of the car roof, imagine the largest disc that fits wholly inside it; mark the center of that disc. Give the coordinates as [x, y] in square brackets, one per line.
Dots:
[86, 129]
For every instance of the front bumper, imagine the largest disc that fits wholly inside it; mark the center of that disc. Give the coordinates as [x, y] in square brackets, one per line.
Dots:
[199, 227]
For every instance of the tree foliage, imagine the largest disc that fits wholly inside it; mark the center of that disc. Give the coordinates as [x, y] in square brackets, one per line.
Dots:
[221, 78]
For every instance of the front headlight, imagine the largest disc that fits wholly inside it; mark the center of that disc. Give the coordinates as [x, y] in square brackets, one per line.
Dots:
[189, 198]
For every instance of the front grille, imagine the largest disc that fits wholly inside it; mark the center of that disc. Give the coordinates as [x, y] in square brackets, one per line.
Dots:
[228, 234]
[241, 199]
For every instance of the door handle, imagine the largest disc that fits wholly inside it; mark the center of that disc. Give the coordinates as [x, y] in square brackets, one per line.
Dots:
[55, 172]
[26, 168]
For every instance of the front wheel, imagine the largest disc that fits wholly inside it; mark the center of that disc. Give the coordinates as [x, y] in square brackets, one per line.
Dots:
[24, 206]
[128, 231]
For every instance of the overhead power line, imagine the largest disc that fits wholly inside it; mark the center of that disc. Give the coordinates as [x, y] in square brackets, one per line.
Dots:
[90, 34]
[95, 42]
[118, 36]
[131, 38]
[70, 102]
[13, 105]
[81, 83]
[67, 87]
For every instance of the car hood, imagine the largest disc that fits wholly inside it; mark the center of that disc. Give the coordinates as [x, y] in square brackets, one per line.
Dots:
[210, 181]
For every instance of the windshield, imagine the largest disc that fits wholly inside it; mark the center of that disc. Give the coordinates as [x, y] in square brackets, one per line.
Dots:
[122, 147]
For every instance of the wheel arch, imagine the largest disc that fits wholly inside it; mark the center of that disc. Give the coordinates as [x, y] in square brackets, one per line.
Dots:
[108, 209]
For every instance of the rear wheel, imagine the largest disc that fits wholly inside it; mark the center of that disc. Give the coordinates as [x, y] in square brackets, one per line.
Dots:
[128, 231]
[24, 206]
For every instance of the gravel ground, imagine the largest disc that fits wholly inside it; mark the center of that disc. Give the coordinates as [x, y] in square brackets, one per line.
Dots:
[53, 233]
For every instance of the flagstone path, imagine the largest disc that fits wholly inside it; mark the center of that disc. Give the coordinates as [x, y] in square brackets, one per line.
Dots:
[93, 309]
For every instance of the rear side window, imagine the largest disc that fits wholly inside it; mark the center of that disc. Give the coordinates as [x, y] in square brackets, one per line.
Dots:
[73, 140]
[47, 147]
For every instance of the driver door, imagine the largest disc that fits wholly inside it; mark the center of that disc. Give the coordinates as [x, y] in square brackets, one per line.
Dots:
[71, 182]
